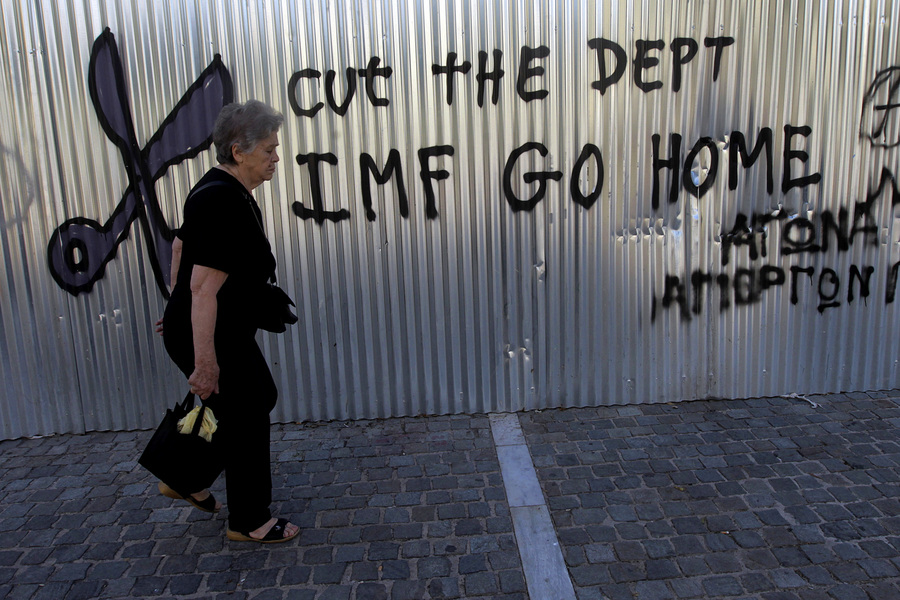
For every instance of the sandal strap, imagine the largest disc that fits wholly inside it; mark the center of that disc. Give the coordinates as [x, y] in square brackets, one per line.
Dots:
[207, 504]
[277, 530]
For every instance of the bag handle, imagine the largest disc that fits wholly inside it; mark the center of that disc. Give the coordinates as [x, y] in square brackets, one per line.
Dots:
[188, 405]
[198, 422]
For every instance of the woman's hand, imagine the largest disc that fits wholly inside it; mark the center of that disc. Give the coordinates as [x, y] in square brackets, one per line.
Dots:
[204, 380]
[159, 326]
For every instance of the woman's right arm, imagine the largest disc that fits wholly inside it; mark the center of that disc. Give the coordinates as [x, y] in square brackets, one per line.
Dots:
[205, 284]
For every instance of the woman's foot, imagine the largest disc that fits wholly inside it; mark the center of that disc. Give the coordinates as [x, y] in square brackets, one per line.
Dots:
[273, 532]
[203, 500]
[289, 530]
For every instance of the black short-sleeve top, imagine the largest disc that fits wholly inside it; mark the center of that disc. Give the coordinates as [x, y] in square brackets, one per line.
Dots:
[222, 230]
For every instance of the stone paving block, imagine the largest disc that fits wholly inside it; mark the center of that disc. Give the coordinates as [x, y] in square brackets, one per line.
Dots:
[371, 505]
[765, 497]
[653, 590]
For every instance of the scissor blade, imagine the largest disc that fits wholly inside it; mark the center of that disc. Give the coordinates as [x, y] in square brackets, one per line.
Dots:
[106, 82]
[187, 131]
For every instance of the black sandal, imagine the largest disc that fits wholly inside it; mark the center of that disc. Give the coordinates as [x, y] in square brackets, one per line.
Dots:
[275, 534]
[208, 504]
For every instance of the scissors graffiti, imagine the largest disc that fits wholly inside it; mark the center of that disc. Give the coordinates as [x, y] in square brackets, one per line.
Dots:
[80, 248]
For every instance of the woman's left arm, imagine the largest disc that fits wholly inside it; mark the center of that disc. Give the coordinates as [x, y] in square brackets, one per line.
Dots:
[205, 285]
[177, 245]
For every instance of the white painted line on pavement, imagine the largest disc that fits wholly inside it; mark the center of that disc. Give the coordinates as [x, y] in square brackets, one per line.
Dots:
[519, 477]
[546, 574]
[506, 430]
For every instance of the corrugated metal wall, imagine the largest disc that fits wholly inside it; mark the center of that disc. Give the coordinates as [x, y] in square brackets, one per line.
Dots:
[502, 290]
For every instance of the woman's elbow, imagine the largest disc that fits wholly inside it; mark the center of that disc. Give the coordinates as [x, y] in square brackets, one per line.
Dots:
[200, 293]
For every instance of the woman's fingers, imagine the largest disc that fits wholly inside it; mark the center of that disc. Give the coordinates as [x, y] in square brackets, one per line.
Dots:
[204, 381]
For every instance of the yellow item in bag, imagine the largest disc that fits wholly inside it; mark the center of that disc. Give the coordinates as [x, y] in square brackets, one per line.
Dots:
[207, 428]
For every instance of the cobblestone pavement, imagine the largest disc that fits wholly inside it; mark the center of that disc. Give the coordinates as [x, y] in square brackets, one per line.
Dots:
[773, 499]
[765, 499]
[402, 509]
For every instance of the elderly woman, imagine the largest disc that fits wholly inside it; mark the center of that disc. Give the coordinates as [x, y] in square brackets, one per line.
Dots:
[221, 258]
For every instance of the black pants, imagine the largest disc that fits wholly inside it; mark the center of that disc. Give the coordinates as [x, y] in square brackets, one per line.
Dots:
[247, 394]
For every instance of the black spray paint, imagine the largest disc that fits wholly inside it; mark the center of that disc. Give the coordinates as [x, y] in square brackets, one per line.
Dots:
[612, 63]
[880, 102]
[80, 248]
[824, 286]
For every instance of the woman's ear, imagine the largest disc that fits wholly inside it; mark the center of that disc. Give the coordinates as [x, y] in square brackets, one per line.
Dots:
[236, 152]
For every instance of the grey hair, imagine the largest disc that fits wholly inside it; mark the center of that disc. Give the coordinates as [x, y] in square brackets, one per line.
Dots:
[244, 124]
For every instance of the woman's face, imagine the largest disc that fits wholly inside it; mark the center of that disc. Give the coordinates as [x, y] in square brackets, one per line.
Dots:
[258, 165]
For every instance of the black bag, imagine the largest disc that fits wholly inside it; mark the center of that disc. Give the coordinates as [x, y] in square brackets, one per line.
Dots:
[274, 309]
[185, 462]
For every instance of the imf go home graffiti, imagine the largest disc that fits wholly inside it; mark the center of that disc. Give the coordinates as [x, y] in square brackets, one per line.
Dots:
[80, 248]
